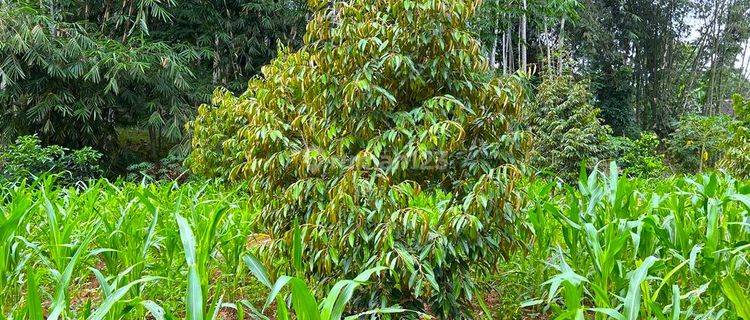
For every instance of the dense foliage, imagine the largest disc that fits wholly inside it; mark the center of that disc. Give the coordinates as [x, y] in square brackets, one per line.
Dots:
[736, 158]
[565, 126]
[698, 142]
[357, 135]
[71, 84]
[640, 157]
[167, 169]
[374, 159]
[28, 159]
[73, 71]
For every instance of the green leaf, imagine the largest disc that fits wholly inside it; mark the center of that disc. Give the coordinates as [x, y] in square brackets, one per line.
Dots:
[280, 283]
[303, 300]
[675, 302]
[194, 295]
[633, 298]
[335, 302]
[194, 298]
[154, 309]
[737, 295]
[59, 303]
[187, 238]
[390, 310]
[33, 301]
[612, 313]
[118, 294]
[258, 270]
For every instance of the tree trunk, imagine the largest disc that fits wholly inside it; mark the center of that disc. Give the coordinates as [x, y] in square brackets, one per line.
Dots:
[505, 52]
[511, 54]
[523, 38]
[547, 45]
[560, 46]
[743, 66]
[714, 59]
[493, 53]
[217, 59]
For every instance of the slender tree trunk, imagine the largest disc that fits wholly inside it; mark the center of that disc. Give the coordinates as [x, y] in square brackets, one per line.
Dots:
[53, 14]
[493, 54]
[744, 61]
[743, 66]
[128, 21]
[505, 52]
[523, 38]
[547, 45]
[714, 59]
[511, 53]
[694, 68]
[561, 47]
[217, 59]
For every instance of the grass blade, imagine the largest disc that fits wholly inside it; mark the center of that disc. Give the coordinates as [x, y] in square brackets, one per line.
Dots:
[675, 302]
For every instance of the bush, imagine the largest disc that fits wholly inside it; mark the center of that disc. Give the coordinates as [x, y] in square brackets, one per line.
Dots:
[698, 142]
[387, 138]
[28, 159]
[566, 127]
[639, 158]
[736, 158]
[170, 168]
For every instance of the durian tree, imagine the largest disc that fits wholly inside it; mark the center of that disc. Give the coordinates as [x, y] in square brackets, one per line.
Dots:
[566, 127]
[388, 140]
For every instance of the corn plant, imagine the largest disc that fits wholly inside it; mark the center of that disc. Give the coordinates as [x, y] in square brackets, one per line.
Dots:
[626, 250]
[15, 205]
[115, 250]
[303, 301]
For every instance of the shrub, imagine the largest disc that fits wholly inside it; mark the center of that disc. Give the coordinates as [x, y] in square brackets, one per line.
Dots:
[387, 107]
[170, 168]
[565, 127]
[618, 146]
[736, 158]
[640, 158]
[698, 141]
[28, 159]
